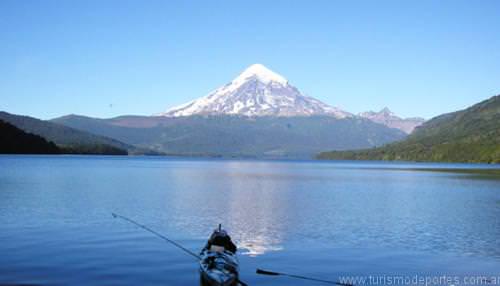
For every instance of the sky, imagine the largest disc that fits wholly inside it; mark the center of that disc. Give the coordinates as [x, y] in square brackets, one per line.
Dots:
[110, 58]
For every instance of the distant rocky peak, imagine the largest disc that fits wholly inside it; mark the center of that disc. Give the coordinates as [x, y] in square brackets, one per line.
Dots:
[386, 117]
[386, 111]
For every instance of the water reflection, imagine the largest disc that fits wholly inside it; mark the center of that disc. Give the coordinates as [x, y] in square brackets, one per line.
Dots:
[258, 245]
[248, 202]
[258, 214]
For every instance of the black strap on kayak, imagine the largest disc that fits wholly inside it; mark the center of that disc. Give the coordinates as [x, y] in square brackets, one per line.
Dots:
[272, 273]
[157, 234]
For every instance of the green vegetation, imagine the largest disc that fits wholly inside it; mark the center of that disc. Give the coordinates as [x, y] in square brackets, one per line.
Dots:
[68, 140]
[239, 136]
[15, 141]
[469, 135]
[99, 149]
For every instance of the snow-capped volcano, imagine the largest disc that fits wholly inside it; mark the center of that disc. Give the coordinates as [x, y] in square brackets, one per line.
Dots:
[257, 91]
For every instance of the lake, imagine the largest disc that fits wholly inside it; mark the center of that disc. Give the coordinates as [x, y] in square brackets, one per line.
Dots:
[321, 219]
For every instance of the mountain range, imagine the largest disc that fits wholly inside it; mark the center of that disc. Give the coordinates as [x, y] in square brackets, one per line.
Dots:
[261, 114]
[238, 136]
[257, 114]
[258, 91]
[469, 135]
[67, 139]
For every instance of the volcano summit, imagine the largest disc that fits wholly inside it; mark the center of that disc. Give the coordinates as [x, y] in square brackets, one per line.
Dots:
[257, 91]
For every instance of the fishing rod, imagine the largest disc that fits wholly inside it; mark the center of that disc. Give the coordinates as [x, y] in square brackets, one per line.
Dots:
[272, 273]
[166, 239]
[158, 234]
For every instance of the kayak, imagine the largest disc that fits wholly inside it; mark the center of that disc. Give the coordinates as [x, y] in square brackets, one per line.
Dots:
[218, 268]
[219, 265]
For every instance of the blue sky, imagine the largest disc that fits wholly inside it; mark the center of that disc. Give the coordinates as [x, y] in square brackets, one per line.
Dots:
[109, 58]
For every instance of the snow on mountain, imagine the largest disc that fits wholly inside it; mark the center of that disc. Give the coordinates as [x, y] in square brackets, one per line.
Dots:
[388, 118]
[257, 91]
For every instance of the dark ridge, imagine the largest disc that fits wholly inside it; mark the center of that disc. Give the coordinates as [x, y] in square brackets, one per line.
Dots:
[15, 141]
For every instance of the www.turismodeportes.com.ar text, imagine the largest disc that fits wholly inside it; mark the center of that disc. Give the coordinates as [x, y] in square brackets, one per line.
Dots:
[420, 280]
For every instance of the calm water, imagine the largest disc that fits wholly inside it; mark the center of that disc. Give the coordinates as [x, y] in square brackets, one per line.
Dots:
[324, 219]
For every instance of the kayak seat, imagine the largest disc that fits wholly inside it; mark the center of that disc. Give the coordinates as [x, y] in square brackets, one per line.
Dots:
[216, 248]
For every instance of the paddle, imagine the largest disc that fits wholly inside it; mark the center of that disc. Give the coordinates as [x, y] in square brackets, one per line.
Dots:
[272, 273]
[166, 239]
